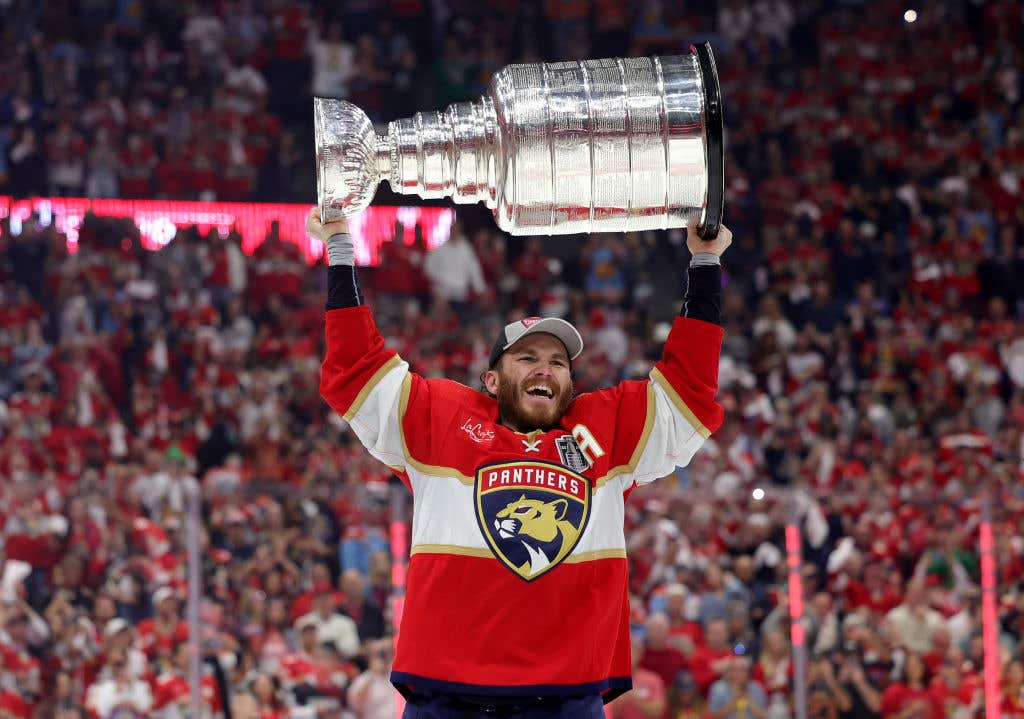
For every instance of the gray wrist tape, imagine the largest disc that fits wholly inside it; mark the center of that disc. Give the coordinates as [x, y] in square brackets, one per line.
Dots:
[340, 250]
[704, 259]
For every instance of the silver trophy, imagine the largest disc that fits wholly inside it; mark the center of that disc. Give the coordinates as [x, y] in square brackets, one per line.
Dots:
[614, 145]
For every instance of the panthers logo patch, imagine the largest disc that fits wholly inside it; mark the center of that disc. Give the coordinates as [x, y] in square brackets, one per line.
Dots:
[532, 514]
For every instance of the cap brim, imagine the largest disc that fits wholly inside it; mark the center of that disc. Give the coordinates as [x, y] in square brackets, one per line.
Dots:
[561, 329]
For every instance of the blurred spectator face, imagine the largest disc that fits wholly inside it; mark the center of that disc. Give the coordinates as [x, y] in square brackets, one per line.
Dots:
[379, 653]
[950, 674]
[810, 577]
[352, 585]
[181, 654]
[636, 645]
[675, 602]
[323, 604]
[914, 671]
[820, 703]
[244, 706]
[738, 673]
[307, 638]
[822, 604]
[118, 666]
[916, 596]
[1015, 674]
[775, 644]
[743, 568]
[263, 690]
[17, 628]
[121, 640]
[33, 379]
[168, 608]
[236, 531]
[211, 613]
[657, 631]
[717, 634]
[738, 615]
[63, 687]
[273, 583]
[380, 568]
[713, 580]
[320, 575]
[277, 613]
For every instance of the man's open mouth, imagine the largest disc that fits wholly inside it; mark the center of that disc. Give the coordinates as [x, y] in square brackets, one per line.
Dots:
[540, 391]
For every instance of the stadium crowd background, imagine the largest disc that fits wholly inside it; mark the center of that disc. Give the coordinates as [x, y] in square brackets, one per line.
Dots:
[873, 372]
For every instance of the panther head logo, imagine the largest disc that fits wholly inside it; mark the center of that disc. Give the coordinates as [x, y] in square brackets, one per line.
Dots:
[541, 527]
[531, 513]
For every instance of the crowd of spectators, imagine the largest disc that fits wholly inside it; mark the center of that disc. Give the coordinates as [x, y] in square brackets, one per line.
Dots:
[872, 375]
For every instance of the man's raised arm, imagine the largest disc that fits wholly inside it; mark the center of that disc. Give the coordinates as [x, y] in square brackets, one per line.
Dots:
[660, 424]
[361, 379]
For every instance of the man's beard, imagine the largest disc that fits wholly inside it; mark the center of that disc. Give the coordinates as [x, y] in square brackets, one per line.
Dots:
[523, 419]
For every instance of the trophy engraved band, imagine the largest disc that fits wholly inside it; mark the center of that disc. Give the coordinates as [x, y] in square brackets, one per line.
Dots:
[613, 145]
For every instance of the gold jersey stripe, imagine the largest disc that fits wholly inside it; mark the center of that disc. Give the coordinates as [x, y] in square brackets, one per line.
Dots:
[357, 404]
[452, 549]
[595, 555]
[641, 445]
[658, 377]
[488, 554]
[428, 469]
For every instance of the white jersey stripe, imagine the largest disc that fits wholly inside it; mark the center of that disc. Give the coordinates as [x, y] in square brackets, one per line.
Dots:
[448, 516]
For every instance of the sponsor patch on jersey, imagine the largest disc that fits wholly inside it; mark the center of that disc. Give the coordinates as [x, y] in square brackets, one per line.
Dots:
[532, 514]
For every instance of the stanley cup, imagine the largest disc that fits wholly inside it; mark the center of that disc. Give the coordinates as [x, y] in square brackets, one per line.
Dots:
[614, 145]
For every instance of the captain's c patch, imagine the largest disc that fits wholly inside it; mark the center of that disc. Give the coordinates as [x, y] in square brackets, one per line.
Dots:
[532, 514]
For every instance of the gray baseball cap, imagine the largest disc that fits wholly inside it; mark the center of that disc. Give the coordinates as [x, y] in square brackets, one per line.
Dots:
[515, 331]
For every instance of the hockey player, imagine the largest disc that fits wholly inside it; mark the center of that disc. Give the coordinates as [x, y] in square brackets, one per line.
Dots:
[517, 599]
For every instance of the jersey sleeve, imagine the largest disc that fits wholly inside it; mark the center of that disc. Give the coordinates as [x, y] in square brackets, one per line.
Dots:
[366, 383]
[662, 423]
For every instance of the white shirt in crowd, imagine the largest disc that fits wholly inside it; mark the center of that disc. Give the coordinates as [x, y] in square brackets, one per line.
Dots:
[333, 67]
[454, 270]
[372, 696]
[337, 629]
[914, 629]
[106, 696]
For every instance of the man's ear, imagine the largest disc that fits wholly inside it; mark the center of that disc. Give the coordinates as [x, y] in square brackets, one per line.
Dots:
[490, 378]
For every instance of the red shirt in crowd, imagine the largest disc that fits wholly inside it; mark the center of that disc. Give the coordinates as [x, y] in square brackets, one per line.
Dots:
[899, 697]
[647, 686]
[701, 663]
[666, 663]
[154, 641]
[1012, 706]
[954, 699]
[170, 688]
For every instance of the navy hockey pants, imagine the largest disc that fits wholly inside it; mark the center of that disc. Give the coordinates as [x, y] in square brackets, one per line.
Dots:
[448, 707]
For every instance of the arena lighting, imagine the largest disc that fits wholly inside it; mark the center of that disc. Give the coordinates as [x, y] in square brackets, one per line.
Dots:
[910, 16]
[159, 220]
[797, 637]
[757, 494]
[989, 613]
[397, 539]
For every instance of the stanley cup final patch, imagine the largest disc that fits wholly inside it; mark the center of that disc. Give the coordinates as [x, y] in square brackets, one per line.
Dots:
[571, 455]
[532, 514]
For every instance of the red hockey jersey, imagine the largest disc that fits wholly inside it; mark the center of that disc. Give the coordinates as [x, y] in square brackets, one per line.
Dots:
[517, 579]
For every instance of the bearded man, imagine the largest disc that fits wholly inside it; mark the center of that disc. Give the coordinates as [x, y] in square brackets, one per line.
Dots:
[517, 602]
